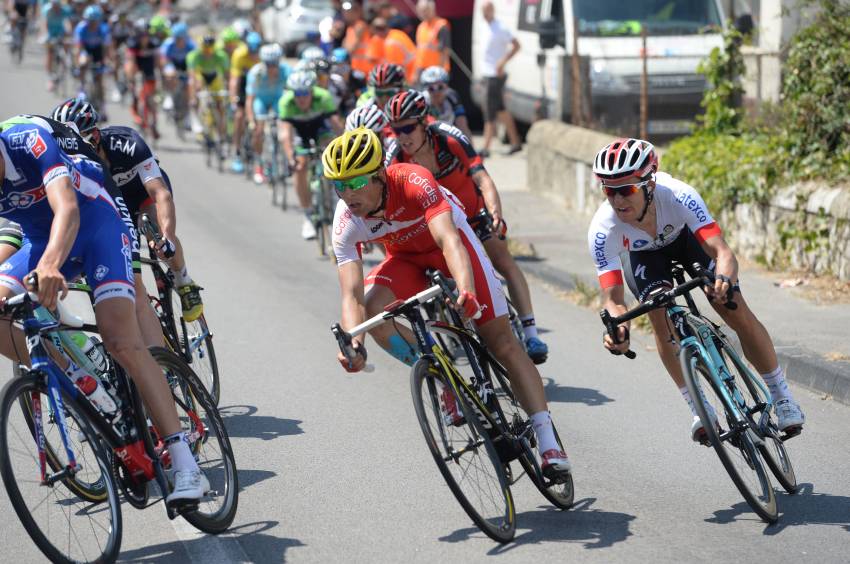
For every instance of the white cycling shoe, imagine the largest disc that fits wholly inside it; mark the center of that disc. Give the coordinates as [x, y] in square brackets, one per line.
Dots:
[308, 230]
[789, 415]
[189, 485]
[698, 434]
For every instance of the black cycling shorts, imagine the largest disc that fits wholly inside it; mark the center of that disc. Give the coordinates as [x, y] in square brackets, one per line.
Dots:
[644, 271]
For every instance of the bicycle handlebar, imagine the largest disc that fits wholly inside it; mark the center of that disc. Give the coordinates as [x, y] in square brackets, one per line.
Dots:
[64, 316]
[703, 277]
[151, 231]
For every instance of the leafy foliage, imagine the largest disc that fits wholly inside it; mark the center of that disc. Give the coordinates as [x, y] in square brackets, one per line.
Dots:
[733, 160]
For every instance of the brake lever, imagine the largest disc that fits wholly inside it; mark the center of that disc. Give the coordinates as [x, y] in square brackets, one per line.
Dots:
[343, 339]
[611, 328]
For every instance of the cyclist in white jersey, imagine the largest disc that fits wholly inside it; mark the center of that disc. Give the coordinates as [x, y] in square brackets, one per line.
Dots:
[649, 220]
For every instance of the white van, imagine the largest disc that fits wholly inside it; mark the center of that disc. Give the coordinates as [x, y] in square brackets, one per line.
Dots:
[680, 33]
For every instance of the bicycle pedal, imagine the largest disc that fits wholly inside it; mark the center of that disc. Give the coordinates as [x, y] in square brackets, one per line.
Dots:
[181, 507]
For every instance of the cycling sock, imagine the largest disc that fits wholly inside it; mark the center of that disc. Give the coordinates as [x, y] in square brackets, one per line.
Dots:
[181, 277]
[776, 384]
[401, 350]
[542, 423]
[181, 456]
[529, 327]
[690, 401]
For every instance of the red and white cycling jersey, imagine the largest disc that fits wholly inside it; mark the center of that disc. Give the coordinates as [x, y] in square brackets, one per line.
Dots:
[413, 199]
[677, 205]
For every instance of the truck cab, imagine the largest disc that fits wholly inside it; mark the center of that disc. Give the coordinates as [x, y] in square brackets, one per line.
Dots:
[680, 33]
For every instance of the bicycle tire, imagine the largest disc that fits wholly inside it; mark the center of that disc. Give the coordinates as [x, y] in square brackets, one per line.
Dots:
[426, 399]
[196, 347]
[91, 491]
[735, 445]
[559, 494]
[189, 393]
[773, 450]
[109, 550]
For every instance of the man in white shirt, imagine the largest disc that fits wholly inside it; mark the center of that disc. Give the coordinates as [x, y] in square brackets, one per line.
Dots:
[501, 45]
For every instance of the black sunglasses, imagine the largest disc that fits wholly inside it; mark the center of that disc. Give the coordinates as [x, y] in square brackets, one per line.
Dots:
[405, 129]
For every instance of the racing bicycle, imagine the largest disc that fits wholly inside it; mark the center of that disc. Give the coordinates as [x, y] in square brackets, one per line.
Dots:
[736, 409]
[474, 453]
[191, 340]
[63, 460]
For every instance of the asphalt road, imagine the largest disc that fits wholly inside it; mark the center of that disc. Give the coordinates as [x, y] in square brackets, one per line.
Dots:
[333, 467]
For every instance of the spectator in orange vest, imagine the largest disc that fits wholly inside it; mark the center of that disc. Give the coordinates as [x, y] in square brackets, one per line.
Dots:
[433, 39]
[378, 29]
[357, 36]
[396, 47]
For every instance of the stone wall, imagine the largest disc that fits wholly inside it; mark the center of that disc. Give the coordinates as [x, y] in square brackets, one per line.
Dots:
[805, 226]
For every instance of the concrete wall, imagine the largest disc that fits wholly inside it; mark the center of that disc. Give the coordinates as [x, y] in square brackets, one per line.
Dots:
[560, 160]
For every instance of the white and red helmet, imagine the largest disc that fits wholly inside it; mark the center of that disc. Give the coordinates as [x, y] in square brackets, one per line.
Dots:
[625, 161]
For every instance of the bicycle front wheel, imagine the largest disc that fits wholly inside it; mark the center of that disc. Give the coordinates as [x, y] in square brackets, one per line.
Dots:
[773, 450]
[464, 453]
[196, 347]
[734, 443]
[208, 440]
[64, 526]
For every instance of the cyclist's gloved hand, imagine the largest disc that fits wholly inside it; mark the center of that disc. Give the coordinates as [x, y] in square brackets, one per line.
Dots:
[622, 343]
[721, 292]
[358, 360]
[468, 305]
[165, 248]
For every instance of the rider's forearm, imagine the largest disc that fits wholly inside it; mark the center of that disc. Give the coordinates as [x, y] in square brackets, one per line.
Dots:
[459, 264]
[166, 213]
[488, 191]
[63, 233]
[353, 314]
[727, 264]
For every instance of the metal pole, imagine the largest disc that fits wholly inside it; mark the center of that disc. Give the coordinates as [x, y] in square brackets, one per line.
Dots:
[644, 86]
[577, 117]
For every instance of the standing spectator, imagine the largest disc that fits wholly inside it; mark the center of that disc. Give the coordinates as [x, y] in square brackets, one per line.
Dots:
[378, 29]
[399, 48]
[500, 46]
[433, 38]
[357, 36]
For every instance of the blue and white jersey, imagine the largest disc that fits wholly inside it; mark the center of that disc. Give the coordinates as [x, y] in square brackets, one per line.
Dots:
[32, 161]
[261, 86]
[92, 38]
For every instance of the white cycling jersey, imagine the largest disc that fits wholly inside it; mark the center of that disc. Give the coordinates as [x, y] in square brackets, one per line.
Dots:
[677, 205]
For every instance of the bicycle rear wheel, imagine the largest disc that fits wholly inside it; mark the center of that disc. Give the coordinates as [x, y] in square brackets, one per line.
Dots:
[735, 445]
[773, 450]
[65, 527]
[209, 442]
[560, 494]
[464, 454]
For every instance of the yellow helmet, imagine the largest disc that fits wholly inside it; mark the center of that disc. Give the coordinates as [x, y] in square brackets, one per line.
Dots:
[353, 153]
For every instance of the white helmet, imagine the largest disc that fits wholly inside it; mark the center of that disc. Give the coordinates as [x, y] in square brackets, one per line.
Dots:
[301, 80]
[271, 53]
[370, 116]
[433, 75]
[625, 161]
[312, 52]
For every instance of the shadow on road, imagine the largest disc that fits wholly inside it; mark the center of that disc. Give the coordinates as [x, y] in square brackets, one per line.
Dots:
[806, 507]
[594, 528]
[568, 394]
[251, 537]
[242, 421]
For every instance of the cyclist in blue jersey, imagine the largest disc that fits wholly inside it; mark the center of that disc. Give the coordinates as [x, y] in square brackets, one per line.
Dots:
[72, 227]
[93, 49]
[265, 86]
[173, 52]
[57, 17]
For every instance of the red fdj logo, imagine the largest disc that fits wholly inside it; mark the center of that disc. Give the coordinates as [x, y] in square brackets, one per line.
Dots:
[37, 146]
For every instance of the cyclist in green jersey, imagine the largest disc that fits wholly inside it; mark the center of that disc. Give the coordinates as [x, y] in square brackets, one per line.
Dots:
[308, 112]
[208, 72]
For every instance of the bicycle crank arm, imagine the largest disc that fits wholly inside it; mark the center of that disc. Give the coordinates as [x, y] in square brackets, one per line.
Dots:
[67, 472]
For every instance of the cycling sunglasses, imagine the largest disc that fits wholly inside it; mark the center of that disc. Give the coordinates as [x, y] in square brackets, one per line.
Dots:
[624, 190]
[302, 93]
[405, 129]
[386, 92]
[436, 87]
[353, 184]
